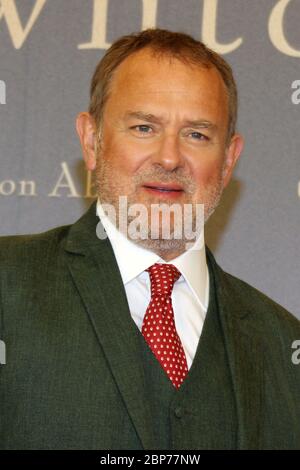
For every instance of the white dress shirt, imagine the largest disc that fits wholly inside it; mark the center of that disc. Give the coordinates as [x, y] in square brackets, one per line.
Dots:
[190, 292]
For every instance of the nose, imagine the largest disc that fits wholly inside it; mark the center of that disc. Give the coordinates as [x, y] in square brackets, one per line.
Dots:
[168, 153]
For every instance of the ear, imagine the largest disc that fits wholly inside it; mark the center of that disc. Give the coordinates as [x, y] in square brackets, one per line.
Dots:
[87, 132]
[233, 152]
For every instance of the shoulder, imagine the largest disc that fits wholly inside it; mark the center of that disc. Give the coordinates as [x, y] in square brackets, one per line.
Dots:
[250, 300]
[15, 249]
[262, 303]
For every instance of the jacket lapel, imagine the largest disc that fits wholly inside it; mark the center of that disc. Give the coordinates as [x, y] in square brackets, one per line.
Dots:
[245, 354]
[95, 272]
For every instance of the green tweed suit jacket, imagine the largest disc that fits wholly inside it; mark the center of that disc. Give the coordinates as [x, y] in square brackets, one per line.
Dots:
[72, 377]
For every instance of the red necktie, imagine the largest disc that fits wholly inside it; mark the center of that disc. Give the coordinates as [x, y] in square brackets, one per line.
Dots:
[159, 325]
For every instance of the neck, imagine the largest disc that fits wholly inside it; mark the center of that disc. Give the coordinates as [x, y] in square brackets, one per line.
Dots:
[169, 255]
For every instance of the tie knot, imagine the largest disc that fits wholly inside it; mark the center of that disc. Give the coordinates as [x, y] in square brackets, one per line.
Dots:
[163, 278]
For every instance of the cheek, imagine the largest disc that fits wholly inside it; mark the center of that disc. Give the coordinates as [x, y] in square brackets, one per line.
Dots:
[206, 173]
[123, 156]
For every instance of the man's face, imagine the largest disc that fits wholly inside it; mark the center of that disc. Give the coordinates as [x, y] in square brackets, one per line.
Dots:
[163, 138]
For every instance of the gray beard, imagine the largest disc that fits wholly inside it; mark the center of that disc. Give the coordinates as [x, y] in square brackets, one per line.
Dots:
[109, 193]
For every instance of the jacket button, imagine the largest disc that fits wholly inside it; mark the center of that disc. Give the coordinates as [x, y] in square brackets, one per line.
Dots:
[178, 412]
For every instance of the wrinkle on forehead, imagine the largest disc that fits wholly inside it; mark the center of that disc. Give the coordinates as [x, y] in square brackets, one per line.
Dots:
[143, 80]
[144, 64]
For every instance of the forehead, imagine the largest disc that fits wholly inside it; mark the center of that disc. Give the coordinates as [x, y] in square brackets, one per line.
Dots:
[145, 78]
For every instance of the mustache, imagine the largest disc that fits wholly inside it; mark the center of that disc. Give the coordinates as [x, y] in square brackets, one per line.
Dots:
[187, 183]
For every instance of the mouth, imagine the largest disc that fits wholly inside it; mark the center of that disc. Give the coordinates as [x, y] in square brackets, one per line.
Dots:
[163, 189]
[164, 186]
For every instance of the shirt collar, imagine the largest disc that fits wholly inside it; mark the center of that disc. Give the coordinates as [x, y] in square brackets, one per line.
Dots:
[133, 259]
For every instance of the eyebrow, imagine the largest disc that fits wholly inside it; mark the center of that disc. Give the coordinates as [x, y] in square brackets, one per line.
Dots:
[199, 123]
[143, 116]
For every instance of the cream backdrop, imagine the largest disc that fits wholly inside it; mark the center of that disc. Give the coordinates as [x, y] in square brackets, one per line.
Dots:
[48, 51]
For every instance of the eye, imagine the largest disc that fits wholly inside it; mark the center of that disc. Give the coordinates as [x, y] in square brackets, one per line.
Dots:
[142, 129]
[198, 136]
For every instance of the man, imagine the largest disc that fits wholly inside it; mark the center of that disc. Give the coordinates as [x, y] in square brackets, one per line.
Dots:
[143, 342]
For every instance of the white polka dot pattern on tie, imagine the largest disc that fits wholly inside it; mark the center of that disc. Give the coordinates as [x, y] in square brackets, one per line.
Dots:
[159, 328]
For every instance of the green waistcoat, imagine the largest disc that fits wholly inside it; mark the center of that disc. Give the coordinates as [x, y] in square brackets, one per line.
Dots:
[201, 414]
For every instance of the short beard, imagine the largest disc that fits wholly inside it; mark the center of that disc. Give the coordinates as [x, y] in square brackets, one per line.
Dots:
[109, 192]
